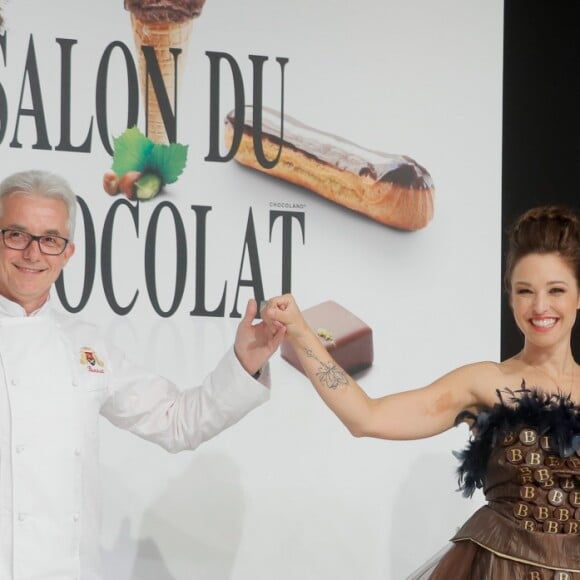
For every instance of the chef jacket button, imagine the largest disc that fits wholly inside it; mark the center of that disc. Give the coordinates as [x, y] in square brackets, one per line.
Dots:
[19, 448]
[76, 517]
[77, 451]
[13, 382]
[21, 517]
[75, 384]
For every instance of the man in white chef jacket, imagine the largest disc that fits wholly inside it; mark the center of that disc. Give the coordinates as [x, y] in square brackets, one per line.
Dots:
[58, 375]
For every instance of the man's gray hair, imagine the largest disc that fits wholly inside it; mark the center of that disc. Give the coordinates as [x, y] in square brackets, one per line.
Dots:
[35, 182]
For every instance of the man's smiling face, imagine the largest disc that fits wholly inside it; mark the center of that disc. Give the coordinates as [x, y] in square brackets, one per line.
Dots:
[26, 276]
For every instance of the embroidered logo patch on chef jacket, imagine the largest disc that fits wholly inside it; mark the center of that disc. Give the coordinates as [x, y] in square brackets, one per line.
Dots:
[91, 361]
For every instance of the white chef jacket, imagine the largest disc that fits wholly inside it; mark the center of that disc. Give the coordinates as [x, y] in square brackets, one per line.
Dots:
[57, 376]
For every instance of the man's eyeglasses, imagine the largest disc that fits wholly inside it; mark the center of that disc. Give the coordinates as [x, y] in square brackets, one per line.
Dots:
[48, 244]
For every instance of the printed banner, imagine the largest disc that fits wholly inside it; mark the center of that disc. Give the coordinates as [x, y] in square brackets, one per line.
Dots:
[349, 154]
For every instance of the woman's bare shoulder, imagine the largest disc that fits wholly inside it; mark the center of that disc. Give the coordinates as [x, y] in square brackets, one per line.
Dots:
[492, 370]
[487, 377]
[482, 371]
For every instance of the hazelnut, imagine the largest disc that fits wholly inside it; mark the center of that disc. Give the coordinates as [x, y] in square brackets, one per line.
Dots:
[127, 183]
[111, 183]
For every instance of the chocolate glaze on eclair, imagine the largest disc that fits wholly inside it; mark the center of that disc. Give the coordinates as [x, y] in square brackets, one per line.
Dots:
[392, 189]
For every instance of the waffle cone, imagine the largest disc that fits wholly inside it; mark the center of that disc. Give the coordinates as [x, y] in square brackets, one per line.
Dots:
[161, 36]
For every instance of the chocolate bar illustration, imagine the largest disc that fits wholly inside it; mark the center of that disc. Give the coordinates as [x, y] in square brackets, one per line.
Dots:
[346, 337]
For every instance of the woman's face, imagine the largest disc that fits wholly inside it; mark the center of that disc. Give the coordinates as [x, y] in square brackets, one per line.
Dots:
[544, 298]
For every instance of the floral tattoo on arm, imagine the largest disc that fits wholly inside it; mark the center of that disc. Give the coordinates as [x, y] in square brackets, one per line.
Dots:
[329, 374]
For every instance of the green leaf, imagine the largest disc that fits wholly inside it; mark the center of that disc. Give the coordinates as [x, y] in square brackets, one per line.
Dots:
[168, 161]
[131, 151]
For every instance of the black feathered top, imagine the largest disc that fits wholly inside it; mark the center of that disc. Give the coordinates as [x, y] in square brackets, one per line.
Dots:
[550, 414]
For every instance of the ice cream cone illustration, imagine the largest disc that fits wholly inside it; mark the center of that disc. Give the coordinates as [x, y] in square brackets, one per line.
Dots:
[163, 25]
[2, 6]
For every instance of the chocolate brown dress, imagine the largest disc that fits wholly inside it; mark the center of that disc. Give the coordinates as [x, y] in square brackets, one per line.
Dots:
[525, 455]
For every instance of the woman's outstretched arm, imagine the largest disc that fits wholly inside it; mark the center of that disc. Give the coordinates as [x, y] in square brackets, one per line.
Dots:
[405, 415]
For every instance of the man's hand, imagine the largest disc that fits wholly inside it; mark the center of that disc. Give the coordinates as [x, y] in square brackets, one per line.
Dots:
[255, 343]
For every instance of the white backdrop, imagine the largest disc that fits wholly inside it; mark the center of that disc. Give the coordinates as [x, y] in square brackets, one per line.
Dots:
[288, 492]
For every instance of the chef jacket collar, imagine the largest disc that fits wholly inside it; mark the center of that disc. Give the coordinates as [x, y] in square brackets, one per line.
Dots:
[13, 309]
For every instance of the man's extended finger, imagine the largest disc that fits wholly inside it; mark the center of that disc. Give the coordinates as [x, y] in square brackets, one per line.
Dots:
[251, 311]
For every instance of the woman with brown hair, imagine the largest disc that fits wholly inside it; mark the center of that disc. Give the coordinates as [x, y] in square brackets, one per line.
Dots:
[524, 451]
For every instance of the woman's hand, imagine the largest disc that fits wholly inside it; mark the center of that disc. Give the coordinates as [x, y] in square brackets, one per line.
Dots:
[283, 310]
